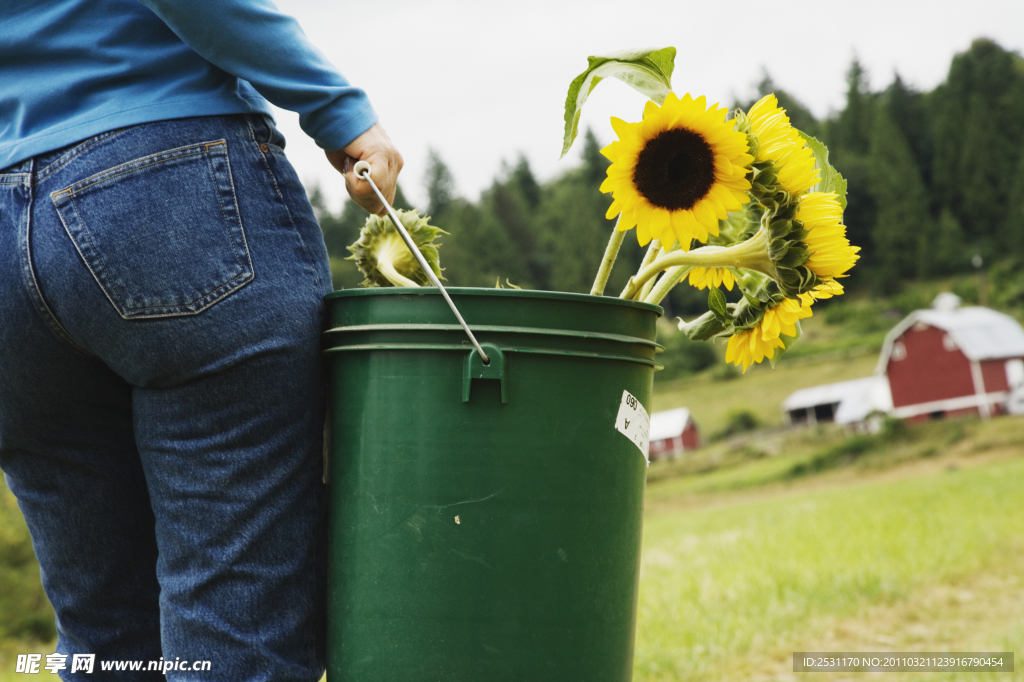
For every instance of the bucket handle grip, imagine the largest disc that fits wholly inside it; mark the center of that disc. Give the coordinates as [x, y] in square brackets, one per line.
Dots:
[476, 369]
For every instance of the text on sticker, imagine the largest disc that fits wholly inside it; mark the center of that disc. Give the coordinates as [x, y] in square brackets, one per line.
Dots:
[634, 423]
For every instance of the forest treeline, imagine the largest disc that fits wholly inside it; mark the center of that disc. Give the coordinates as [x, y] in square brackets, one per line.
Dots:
[935, 178]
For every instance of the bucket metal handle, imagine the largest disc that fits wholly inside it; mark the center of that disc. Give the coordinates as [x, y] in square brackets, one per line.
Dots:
[362, 169]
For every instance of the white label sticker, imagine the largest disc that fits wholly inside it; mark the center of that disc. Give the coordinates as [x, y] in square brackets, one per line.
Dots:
[634, 423]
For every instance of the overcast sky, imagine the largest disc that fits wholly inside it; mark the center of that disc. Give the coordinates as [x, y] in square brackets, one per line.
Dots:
[483, 82]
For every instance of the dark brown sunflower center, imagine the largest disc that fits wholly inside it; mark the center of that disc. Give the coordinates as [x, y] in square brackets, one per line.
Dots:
[675, 170]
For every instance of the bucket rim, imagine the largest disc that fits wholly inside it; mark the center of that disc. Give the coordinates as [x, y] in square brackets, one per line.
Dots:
[485, 291]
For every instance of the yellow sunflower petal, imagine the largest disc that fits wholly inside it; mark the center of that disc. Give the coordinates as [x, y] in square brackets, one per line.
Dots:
[640, 183]
[831, 253]
[614, 210]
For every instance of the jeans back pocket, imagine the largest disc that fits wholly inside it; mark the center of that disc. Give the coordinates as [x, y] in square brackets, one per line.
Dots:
[161, 234]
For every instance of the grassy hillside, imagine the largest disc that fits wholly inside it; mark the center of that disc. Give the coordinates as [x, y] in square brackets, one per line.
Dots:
[712, 399]
[841, 341]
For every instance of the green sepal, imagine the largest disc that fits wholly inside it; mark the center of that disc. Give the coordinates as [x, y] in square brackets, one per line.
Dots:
[778, 248]
[748, 313]
[796, 256]
[798, 235]
[649, 72]
[780, 229]
[739, 226]
[831, 180]
[765, 175]
[798, 280]
[786, 253]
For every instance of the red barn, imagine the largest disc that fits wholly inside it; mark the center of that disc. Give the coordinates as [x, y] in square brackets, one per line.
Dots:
[672, 433]
[949, 361]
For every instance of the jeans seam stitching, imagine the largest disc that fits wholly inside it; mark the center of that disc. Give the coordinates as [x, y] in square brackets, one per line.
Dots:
[244, 247]
[36, 294]
[238, 212]
[291, 219]
[135, 164]
[247, 276]
[68, 192]
[88, 265]
[74, 154]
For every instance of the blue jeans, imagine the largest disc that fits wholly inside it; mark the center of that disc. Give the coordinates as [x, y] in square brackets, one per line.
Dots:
[162, 396]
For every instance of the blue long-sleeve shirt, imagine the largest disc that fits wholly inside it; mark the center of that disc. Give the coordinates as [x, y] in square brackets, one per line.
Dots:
[71, 69]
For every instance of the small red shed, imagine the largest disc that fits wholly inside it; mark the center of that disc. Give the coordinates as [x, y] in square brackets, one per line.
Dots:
[950, 360]
[672, 433]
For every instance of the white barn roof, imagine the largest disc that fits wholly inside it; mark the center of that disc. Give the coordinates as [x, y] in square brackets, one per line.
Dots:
[981, 333]
[670, 423]
[856, 399]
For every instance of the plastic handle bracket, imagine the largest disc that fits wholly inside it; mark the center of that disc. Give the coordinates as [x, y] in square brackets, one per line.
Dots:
[476, 369]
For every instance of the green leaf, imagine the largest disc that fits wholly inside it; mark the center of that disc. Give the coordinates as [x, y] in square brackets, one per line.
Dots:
[702, 328]
[831, 180]
[787, 342]
[717, 303]
[649, 72]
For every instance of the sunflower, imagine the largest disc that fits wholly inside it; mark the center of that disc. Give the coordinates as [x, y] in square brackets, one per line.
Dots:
[677, 172]
[703, 278]
[381, 255]
[781, 144]
[747, 347]
[761, 340]
[831, 254]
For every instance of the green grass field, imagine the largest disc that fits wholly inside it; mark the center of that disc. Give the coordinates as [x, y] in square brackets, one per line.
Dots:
[737, 577]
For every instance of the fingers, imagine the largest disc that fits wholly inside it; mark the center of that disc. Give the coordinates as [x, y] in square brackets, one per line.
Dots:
[375, 147]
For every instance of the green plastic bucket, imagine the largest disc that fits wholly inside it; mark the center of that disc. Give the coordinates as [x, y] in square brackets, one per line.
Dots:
[485, 520]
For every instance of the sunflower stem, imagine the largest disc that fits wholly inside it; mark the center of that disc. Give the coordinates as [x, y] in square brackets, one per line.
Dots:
[387, 268]
[653, 251]
[672, 277]
[611, 252]
[642, 294]
[749, 255]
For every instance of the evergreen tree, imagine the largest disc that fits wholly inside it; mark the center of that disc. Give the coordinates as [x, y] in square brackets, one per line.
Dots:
[904, 228]
[851, 132]
[574, 232]
[477, 251]
[511, 211]
[1013, 225]
[439, 183]
[949, 252]
[909, 111]
[849, 139]
[978, 139]
[526, 183]
[595, 165]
